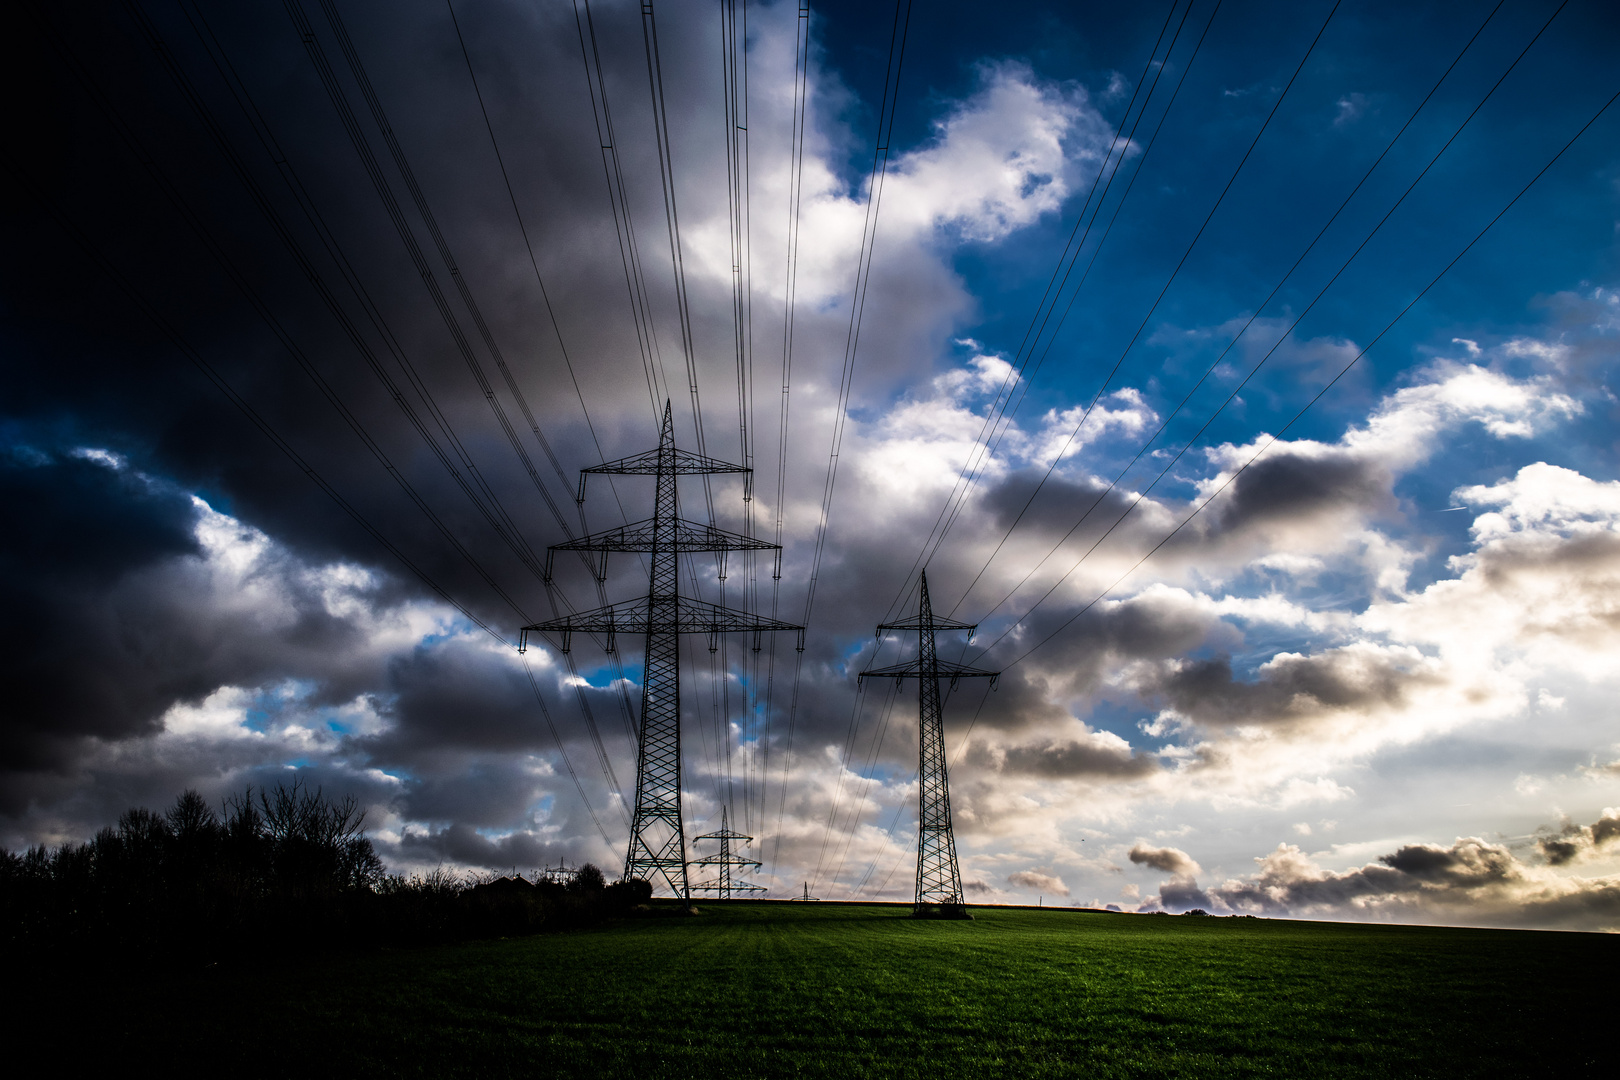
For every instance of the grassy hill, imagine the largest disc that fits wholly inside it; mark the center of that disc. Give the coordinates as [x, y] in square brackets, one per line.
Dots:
[825, 990]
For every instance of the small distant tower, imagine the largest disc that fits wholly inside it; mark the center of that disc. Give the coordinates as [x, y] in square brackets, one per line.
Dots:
[939, 882]
[722, 886]
[806, 895]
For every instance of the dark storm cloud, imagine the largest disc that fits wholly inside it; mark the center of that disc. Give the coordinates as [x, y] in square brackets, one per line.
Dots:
[450, 710]
[1150, 627]
[1038, 881]
[1183, 894]
[456, 696]
[1289, 689]
[115, 612]
[1286, 488]
[464, 845]
[1606, 829]
[1590, 561]
[1063, 760]
[75, 530]
[1058, 505]
[1167, 860]
[1472, 880]
[1572, 842]
[486, 792]
[119, 617]
[118, 611]
[1558, 850]
[126, 376]
[1288, 883]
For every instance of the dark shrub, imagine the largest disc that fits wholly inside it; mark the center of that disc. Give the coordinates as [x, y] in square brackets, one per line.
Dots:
[624, 895]
[504, 905]
[587, 881]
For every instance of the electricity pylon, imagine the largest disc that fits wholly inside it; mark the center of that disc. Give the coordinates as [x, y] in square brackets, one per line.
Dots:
[657, 836]
[725, 860]
[938, 879]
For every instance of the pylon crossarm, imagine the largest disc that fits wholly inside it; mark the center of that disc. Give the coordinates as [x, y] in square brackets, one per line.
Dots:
[631, 617]
[680, 463]
[943, 669]
[936, 622]
[728, 887]
[685, 536]
[726, 860]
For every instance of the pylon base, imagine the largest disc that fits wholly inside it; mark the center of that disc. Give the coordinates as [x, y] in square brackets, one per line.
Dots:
[941, 911]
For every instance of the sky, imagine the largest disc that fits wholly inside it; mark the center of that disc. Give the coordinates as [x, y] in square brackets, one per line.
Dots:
[1242, 370]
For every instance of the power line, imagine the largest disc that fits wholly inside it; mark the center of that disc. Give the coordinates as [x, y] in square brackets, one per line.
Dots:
[1010, 409]
[228, 151]
[523, 230]
[991, 430]
[857, 709]
[251, 295]
[801, 76]
[379, 181]
[1272, 440]
[567, 764]
[357, 70]
[268, 430]
[1215, 364]
[494, 513]
[901, 806]
[619, 203]
[734, 78]
[1174, 273]
[863, 269]
[1276, 345]
[957, 499]
[866, 774]
[500, 520]
[1295, 266]
[672, 222]
[626, 712]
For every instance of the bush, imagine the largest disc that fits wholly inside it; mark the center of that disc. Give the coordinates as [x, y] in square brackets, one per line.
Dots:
[628, 894]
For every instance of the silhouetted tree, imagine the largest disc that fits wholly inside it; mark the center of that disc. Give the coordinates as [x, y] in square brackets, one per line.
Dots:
[272, 867]
[587, 881]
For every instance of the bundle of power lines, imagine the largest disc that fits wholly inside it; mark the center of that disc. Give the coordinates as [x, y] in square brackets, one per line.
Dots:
[741, 738]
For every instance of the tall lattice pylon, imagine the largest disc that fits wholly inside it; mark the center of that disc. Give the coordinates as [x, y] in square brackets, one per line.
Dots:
[725, 861]
[657, 836]
[939, 881]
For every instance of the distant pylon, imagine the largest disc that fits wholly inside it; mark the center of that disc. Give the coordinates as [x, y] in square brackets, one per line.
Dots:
[722, 886]
[806, 895]
[657, 835]
[939, 881]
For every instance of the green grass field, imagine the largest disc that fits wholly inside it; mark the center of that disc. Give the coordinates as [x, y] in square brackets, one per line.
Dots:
[807, 990]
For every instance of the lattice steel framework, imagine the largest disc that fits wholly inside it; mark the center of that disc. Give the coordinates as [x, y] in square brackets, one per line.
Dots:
[724, 861]
[938, 879]
[657, 837]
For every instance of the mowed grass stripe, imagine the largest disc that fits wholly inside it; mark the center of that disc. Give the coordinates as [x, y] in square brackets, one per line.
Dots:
[806, 990]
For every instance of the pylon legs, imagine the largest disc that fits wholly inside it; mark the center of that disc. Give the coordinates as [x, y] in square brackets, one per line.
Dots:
[657, 839]
[939, 881]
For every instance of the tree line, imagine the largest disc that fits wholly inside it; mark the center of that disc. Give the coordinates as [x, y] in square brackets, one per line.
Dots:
[273, 868]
